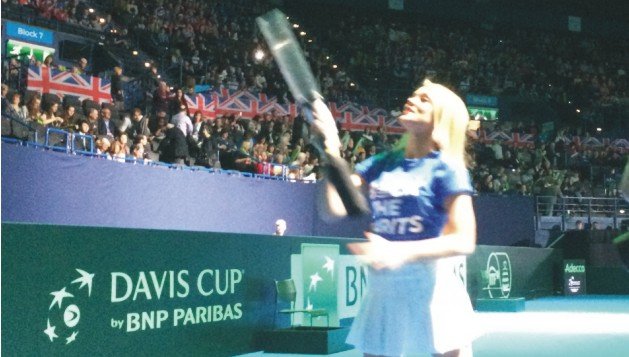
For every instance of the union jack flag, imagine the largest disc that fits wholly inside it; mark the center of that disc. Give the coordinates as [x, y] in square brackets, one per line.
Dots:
[47, 80]
[247, 105]
[202, 102]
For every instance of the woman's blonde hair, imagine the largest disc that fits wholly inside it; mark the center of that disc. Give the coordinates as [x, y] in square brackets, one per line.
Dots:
[450, 117]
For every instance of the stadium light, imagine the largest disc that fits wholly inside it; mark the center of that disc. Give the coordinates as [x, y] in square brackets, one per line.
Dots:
[258, 55]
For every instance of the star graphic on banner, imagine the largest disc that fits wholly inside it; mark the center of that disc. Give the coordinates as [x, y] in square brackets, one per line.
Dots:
[59, 295]
[314, 279]
[329, 265]
[72, 337]
[85, 279]
[50, 331]
[309, 306]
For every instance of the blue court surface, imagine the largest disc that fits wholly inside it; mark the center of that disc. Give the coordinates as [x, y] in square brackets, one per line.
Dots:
[592, 325]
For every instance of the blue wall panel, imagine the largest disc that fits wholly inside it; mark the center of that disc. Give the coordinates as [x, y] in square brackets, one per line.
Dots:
[53, 188]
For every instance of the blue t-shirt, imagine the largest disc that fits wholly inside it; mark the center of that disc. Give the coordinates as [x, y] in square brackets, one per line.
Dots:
[407, 196]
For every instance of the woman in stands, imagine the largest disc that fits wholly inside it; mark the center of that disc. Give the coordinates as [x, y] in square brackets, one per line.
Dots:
[117, 152]
[177, 101]
[50, 115]
[161, 100]
[420, 197]
[33, 108]
[17, 111]
[70, 116]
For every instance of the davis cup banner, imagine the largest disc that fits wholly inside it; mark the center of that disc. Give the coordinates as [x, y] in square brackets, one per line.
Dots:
[82, 291]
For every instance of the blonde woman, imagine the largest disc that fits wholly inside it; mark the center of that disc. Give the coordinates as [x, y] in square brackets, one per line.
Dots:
[420, 198]
[117, 151]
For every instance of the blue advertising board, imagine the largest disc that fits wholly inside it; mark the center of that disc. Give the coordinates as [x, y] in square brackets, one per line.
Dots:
[29, 33]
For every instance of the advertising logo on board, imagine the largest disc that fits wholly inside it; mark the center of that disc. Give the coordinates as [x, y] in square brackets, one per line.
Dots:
[574, 277]
[499, 275]
[137, 301]
[62, 323]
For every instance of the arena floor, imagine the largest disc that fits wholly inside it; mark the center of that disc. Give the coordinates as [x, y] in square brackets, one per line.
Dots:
[592, 325]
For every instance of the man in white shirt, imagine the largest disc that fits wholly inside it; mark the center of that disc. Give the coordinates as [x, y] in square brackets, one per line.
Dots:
[182, 121]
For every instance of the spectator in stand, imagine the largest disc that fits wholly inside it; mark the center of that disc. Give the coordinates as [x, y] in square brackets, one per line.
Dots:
[174, 147]
[117, 93]
[106, 126]
[139, 124]
[33, 108]
[123, 138]
[144, 141]
[49, 62]
[177, 101]
[14, 109]
[208, 150]
[83, 141]
[242, 158]
[70, 116]
[102, 146]
[92, 119]
[5, 93]
[117, 152]
[182, 121]
[81, 67]
[137, 153]
[280, 227]
[161, 99]
[49, 116]
[161, 125]
[150, 83]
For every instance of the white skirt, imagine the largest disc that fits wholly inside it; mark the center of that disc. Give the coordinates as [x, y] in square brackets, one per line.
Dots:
[419, 308]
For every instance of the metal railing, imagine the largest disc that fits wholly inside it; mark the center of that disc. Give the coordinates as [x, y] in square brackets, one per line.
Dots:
[566, 211]
[63, 141]
[9, 123]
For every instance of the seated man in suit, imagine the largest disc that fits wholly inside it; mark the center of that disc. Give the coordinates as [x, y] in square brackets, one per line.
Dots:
[106, 126]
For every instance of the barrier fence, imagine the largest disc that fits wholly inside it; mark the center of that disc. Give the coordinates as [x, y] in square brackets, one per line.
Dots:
[77, 291]
[60, 140]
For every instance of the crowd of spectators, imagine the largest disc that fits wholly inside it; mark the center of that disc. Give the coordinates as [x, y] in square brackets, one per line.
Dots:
[75, 12]
[357, 57]
[274, 144]
[214, 43]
